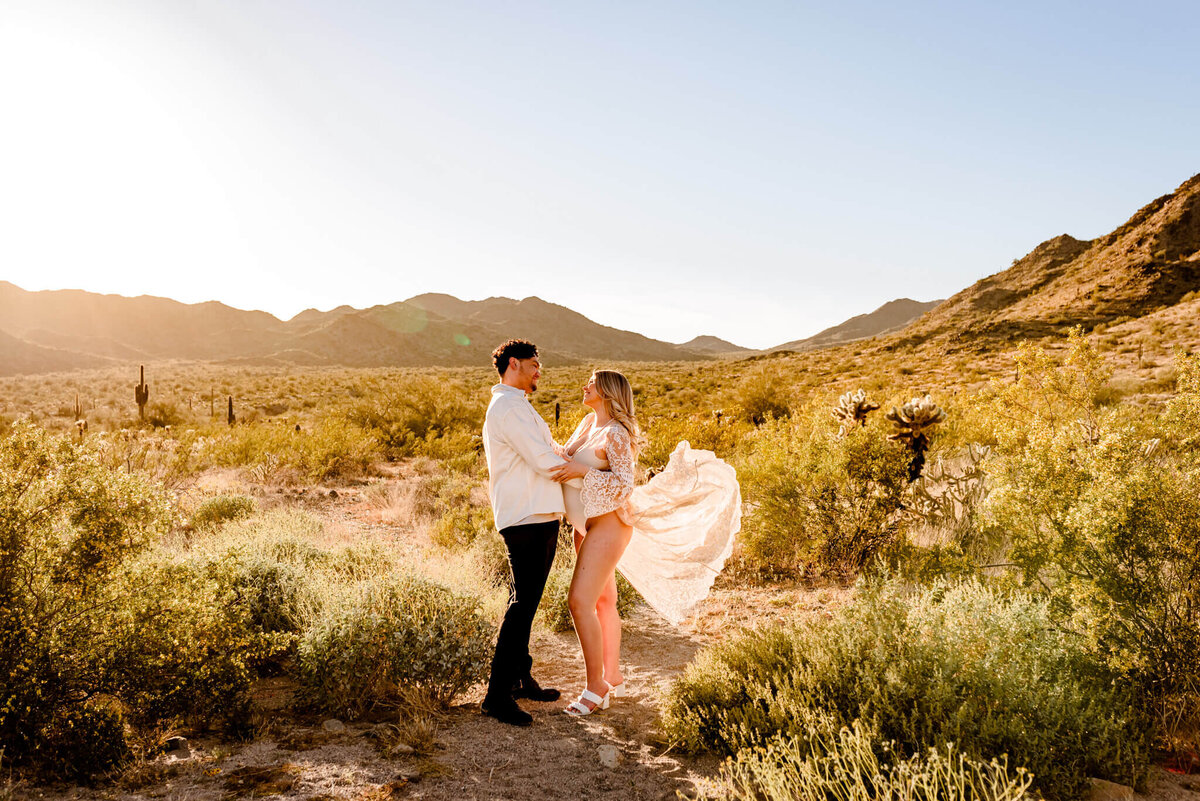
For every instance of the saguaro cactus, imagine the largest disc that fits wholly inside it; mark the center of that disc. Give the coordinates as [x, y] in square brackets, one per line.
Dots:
[914, 422]
[852, 410]
[229, 415]
[141, 393]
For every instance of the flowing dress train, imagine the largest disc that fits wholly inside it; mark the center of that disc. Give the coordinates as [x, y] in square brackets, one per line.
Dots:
[684, 519]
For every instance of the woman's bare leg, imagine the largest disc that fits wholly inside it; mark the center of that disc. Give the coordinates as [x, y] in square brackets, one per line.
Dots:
[610, 624]
[599, 553]
[610, 628]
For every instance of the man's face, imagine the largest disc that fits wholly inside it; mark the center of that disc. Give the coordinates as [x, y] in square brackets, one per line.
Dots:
[528, 371]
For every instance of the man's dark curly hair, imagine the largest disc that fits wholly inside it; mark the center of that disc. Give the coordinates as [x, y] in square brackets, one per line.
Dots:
[512, 349]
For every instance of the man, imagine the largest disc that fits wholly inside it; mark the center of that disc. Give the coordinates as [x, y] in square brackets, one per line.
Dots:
[526, 505]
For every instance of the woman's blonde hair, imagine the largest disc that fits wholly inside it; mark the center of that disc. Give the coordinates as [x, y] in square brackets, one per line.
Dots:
[618, 399]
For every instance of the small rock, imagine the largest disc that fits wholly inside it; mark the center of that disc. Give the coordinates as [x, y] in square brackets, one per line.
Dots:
[404, 749]
[177, 747]
[413, 776]
[1109, 791]
[334, 726]
[609, 755]
[333, 493]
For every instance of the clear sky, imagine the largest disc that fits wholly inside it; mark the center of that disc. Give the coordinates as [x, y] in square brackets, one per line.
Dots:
[753, 170]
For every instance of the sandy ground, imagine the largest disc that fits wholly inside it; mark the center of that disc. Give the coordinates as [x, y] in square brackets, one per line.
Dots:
[616, 754]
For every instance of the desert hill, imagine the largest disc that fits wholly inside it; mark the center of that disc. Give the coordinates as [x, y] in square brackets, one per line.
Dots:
[63, 329]
[891, 316]
[715, 346]
[1148, 264]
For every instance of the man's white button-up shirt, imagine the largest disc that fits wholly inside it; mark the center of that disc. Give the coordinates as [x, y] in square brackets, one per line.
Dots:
[520, 454]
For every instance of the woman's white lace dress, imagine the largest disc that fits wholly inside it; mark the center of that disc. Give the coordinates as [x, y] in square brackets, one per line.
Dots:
[684, 519]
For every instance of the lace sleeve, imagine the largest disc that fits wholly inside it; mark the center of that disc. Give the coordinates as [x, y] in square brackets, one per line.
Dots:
[607, 490]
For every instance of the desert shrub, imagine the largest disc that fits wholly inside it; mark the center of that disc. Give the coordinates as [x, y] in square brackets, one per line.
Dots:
[329, 449]
[459, 508]
[853, 765]
[410, 417]
[181, 643]
[952, 663]
[762, 395]
[67, 523]
[819, 502]
[87, 740]
[163, 413]
[170, 460]
[1182, 417]
[373, 640]
[1100, 510]
[554, 610]
[721, 435]
[220, 509]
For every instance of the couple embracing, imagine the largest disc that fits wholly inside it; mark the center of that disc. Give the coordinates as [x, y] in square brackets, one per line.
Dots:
[669, 537]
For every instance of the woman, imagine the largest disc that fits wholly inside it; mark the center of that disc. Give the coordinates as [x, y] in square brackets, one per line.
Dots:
[670, 537]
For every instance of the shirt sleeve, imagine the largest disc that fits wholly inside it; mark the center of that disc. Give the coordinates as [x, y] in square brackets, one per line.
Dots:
[530, 437]
[606, 490]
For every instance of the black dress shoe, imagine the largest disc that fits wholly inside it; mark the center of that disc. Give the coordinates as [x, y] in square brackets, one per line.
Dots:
[529, 688]
[506, 710]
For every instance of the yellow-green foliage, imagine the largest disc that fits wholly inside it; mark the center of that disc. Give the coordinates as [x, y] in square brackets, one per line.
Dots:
[332, 447]
[222, 508]
[708, 432]
[853, 765]
[763, 395]
[455, 498]
[180, 642]
[371, 642]
[1100, 508]
[952, 663]
[421, 415]
[819, 502]
[67, 526]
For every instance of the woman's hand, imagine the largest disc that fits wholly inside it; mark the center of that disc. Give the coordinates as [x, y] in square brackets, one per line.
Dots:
[569, 470]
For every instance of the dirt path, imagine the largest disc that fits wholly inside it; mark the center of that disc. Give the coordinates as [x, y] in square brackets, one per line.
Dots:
[564, 757]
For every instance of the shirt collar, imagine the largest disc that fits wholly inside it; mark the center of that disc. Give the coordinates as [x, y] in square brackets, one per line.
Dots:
[505, 389]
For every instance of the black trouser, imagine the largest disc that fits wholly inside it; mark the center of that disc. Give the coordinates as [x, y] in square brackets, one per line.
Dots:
[530, 554]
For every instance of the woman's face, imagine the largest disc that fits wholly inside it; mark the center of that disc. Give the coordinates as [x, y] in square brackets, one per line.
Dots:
[591, 395]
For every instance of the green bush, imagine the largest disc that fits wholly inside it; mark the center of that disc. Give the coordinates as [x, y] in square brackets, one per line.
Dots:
[179, 642]
[763, 396]
[331, 448]
[220, 509]
[853, 765]
[163, 413]
[719, 435]
[67, 524]
[374, 641]
[1100, 510]
[960, 664]
[85, 741]
[819, 503]
[415, 414]
[460, 514]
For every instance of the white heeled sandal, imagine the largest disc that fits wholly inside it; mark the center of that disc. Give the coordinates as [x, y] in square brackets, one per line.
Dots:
[578, 709]
[619, 690]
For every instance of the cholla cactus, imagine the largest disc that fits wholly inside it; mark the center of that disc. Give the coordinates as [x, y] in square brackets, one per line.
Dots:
[914, 422]
[949, 492]
[852, 410]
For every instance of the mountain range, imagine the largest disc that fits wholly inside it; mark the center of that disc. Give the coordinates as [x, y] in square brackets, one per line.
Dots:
[1149, 264]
